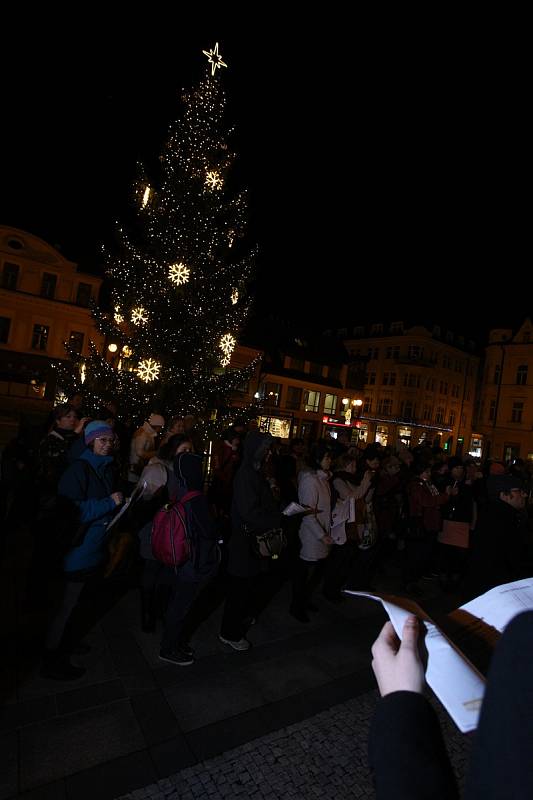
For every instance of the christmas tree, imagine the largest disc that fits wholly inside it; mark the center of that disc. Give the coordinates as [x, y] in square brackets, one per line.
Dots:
[179, 278]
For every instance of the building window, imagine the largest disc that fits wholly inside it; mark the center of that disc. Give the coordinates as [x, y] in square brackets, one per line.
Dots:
[389, 379]
[330, 404]
[48, 285]
[521, 375]
[311, 400]
[451, 419]
[415, 352]
[76, 341]
[396, 327]
[430, 384]
[355, 377]
[443, 387]
[516, 413]
[83, 297]
[492, 411]
[270, 393]
[298, 364]
[370, 378]
[315, 369]
[334, 373]
[39, 339]
[377, 328]
[294, 398]
[373, 352]
[393, 352]
[407, 409]
[367, 405]
[427, 412]
[10, 275]
[382, 434]
[439, 416]
[497, 372]
[385, 406]
[5, 324]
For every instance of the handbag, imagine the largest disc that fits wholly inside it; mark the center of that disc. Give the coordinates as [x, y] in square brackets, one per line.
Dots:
[268, 544]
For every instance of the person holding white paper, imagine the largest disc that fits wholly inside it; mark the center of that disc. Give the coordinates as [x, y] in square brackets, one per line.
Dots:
[407, 753]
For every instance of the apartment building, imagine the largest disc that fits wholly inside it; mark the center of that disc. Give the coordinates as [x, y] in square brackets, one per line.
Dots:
[44, 301]
[504, 424]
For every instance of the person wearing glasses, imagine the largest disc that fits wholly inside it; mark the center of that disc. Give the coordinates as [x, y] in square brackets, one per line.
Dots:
[88, 497]
[502, 546]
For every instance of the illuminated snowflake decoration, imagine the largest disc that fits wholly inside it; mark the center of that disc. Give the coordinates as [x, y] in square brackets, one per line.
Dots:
[214, 58]
[227, 345]
[139, 316]
[146, 196]
[148, 370]
[235, 297]
[127, 352]
[118, 316]
[213, 180]
[179, 273]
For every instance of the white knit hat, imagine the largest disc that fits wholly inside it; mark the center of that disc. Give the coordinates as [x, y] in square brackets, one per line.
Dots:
[156, 419]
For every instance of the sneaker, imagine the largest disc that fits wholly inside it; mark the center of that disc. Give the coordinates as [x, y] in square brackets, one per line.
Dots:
[187, 650]
[242, 644]
[179, 657]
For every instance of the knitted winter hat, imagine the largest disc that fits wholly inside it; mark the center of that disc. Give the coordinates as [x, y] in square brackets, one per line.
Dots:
[156, 419]
[97, 428]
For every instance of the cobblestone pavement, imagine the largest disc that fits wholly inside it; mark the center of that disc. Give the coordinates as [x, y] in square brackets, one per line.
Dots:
[323, 757]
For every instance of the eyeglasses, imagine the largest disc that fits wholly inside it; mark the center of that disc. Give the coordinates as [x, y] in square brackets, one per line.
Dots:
[105, 440]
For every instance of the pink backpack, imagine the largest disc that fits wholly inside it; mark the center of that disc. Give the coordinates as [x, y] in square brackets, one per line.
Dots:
[171, 540]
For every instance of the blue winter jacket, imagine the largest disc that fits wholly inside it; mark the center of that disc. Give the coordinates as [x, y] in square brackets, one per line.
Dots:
[89, 482]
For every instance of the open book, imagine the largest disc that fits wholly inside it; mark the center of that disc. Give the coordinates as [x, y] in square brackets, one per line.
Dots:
[460, 644]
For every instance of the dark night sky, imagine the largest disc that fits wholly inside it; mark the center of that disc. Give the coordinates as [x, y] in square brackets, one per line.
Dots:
[391, 170]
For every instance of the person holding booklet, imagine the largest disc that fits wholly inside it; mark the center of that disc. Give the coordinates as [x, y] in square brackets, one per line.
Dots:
[407, 752]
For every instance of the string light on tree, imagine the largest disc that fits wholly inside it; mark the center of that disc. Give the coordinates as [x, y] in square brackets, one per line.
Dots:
[127, 352]
[83, 372]
[213, 180]
[118, 317]
[148, 370]
[139, 316]
[235, 297]
[179, 273]
[214, 58]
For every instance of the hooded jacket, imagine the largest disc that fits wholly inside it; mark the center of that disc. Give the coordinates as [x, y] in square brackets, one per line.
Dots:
[205, 555]
[254, 507]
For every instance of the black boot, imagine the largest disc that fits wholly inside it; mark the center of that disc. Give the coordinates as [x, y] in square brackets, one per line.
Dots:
[148, 612]
[56, 666]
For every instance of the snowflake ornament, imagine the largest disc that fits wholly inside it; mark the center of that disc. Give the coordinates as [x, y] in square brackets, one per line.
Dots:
[148, 370]
[224, 361]
[235, 297]
[139, 316]
[213, 180]
[227, 344]
[179, 273]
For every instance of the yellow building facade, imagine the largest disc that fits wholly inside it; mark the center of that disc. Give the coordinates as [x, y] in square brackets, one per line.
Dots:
[419, 384]
[44, 301]
[504, 427]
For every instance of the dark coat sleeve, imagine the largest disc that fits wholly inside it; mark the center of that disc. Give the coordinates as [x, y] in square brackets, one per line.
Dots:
[407, 754]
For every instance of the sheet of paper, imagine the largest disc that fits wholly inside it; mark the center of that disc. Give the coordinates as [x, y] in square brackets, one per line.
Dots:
[455, 683]
[296, 508]
[135, 495]
[498, 606]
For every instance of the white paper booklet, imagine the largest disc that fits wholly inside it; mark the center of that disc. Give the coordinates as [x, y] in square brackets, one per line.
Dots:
[460, 644]
[295, 508]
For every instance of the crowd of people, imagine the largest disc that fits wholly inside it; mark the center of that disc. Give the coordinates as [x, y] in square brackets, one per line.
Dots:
[439, 518]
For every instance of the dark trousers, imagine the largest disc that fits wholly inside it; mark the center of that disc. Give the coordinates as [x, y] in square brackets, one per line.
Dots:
[340, 566]
[307, 577]
[246, 598]
[185, 589]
